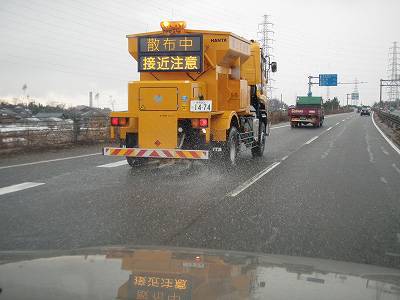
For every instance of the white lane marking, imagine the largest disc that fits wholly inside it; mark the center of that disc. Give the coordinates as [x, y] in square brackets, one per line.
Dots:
[370, 154]
[337, 123]
[385, 137]
[383, 180]
[18, 187]
[114, 164]
[396, 168]
[283, 158]
[311, 140]
[47, 161]
[252, 180]
[276, 127]
[384, 150]
[326, 153]
[343, 120]
[328, 128]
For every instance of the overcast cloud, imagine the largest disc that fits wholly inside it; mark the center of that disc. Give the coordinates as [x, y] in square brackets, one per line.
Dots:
[62, 49]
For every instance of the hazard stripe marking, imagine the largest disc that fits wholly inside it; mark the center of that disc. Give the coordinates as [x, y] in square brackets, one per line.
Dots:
[116, 151]
[167, 153]
[194, 154]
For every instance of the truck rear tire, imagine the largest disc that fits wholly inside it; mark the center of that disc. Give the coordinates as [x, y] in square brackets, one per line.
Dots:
[132, 142]
[258, 150]
[231, 148]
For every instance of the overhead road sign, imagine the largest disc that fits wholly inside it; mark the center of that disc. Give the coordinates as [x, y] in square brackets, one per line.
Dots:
[327, 79]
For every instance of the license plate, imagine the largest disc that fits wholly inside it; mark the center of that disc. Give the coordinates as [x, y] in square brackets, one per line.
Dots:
[200, 105]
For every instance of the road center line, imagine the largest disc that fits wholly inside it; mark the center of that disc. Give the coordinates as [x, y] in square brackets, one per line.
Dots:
[47, 161]
[18, 187]
[384, 136]
[311, 140]
[328, 128]
[114, 164]
[337, 123]
[252, 180]
[284, 158]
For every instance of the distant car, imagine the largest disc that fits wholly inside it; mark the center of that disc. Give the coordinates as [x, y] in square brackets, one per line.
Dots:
[365, 111]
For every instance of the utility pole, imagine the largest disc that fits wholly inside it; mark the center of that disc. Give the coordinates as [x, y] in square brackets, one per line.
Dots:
[356, 91]
[393, 72]
[347, 99]
[24, 88]
[265, 40]
[112, 102]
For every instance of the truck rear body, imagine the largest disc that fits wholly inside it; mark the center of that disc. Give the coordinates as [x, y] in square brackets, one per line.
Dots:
[194, 86]
[308, 110]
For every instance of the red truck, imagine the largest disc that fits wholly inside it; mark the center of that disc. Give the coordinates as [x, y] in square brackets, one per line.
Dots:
[308, 110]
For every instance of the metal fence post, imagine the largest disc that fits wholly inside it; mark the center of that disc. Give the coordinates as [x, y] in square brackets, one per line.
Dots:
[76, 129]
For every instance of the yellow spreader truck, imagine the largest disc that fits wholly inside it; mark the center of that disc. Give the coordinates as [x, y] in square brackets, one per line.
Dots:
[200, 96]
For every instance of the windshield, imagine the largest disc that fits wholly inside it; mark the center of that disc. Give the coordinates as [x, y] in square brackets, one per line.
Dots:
[167, 123]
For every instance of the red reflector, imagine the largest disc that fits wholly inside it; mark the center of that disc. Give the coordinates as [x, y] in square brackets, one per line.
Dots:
[195, 123]
[203, 122]
[122, 121]
[114, 121]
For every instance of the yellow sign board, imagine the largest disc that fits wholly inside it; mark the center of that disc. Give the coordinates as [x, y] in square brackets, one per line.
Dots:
[161, 286]
[180, 53]
[188, 63]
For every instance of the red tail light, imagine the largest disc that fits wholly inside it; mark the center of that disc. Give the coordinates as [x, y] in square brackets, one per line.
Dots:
[114, 121]
[203, 122]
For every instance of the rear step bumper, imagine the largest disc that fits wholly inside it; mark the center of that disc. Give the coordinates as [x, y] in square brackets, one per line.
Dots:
[156, 153]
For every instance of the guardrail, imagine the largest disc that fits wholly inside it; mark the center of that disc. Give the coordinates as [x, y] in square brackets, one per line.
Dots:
[393, 121]
[50, 133]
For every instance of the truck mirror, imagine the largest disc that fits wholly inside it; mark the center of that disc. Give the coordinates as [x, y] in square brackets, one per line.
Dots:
[274, 67]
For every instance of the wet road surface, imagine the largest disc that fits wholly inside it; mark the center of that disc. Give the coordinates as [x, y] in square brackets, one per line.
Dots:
[330, 192]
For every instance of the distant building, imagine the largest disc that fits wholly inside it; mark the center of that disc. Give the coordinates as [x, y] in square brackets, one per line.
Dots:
[45, 115]
[8, 116]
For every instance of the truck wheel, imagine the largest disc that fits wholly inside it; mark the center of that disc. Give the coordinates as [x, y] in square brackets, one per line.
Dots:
[232, 147]
[132, 142]
[258, 150]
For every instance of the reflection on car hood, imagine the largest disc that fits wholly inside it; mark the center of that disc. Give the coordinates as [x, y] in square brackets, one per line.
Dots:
[179, 274]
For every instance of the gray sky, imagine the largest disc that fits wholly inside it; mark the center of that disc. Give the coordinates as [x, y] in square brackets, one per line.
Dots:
[63, 49]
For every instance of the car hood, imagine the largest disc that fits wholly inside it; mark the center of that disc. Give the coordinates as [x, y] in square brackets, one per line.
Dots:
[180, 273]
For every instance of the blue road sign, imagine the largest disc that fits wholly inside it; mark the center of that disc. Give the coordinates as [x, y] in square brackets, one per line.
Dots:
[355, 96]
[327, 79]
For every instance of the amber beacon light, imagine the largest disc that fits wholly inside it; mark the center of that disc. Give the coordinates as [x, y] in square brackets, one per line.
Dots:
[173, 25]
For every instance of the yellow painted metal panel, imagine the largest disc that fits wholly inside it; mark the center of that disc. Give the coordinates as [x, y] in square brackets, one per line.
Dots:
[158, 129]
[158, 98]
[220, 124]
[251, 69]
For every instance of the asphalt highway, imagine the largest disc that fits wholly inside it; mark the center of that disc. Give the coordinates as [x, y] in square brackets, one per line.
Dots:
[330, 192]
